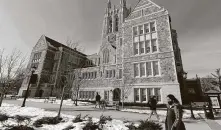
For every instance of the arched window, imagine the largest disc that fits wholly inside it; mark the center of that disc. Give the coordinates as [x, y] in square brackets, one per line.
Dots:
[110, 25]
[106, 56]
[116, 23]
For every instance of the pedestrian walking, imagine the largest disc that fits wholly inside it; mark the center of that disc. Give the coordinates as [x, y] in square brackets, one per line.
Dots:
[153, 107]
[98, 98]
[174, 114]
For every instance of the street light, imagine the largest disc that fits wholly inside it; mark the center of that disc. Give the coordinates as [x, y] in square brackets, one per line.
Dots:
[26, 94]
[191, 108]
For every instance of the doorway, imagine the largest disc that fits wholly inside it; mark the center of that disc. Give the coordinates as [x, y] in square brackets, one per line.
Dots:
[116, 94]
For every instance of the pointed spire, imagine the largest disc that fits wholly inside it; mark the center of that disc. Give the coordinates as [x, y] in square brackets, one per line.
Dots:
[123, 3]
[109, 4]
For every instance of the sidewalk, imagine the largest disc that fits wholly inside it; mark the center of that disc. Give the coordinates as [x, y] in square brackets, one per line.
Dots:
[213, 124]
[96, 113]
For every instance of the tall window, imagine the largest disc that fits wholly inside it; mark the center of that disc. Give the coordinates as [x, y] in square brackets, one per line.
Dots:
[116, 23]
[110, 75]
[147, 46]
[120, 74]
[106, 95]
[149, 69]
[136, 70]
[110, 25]
[142, 69]
[146, 69]
[136, 48]
[135, 32]
[145, 39]
[146, 28]
[152, 26]
[144, 94]
[142, 47]
[113, 73]
[150, 92]
[155, 68]
[121, 41]
[141, 31]
[154, 45]
[37, 57]
[106, 56]
[157, 94]
[137, 95]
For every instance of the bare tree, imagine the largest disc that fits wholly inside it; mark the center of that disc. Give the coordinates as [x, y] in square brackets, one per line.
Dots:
[75, 45]
[125, 86]
[217, 75]
[126, 89]
[207, 83]
[11, 66]
[77, 84]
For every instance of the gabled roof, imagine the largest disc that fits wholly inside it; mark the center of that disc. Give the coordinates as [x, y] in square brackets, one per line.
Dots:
[145, 4]
[51, 42]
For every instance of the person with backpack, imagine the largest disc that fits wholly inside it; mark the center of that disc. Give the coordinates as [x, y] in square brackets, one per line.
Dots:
[174, 114]
[98, 99]
[153, 107]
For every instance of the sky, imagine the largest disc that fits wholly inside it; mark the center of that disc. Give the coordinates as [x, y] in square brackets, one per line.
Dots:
[198, 24]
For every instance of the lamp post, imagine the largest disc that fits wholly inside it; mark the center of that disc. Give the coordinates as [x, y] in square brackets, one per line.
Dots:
[26, 94]
[190, 102]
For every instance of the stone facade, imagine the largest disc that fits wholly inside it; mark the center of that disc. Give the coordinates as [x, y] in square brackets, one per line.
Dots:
[122, 47]
[51, 59]
[139, 56]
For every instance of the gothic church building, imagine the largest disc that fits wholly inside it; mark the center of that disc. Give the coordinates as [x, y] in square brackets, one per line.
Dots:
[139, 57]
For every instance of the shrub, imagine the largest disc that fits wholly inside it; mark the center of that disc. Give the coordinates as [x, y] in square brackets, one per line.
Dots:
[3, 119]
[69, 127]
[22, 122]
[47, 120]
[103, 119]
[131, 126]
[149, 125]
[21, 127]
[79, 119]
[91, 126]
[22, 119]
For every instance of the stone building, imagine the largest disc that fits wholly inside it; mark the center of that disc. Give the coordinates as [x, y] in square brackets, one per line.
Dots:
[139, 56]
[52, 60]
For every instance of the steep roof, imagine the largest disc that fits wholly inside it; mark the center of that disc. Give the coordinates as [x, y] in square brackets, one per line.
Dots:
[57, 44]
[150, 7]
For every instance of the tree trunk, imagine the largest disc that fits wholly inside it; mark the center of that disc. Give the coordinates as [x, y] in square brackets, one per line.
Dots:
[1, 99]
[62, 98]
[76, 99]
[123, 103]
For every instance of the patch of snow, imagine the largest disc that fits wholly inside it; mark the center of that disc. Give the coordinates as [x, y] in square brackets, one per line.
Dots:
[37, 113]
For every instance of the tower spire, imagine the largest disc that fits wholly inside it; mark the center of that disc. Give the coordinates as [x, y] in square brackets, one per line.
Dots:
[109, 4]
[123, 3]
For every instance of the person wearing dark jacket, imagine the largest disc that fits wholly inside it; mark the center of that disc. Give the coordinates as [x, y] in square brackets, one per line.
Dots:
[153, 107]
[98, 99]
[174, 114]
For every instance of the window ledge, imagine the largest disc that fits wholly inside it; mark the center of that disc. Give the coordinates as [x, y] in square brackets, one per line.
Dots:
[149, 77]
[153, 53]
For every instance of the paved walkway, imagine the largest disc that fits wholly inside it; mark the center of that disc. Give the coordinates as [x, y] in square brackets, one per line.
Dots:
[85, 110]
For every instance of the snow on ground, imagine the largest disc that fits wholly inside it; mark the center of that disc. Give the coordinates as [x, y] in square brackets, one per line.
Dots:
[37, 113]
[68, 102]
[186, 113]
